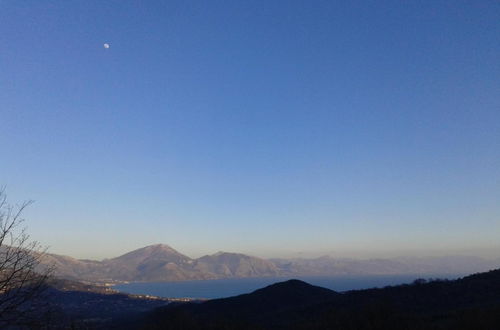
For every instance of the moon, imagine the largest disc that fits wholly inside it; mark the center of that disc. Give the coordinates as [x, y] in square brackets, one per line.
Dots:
[106, 45]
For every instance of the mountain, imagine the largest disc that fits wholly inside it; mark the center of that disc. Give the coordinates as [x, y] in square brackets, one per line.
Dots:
[267, 305]
[160, 262]
[425, 266]
[472, 302]
[236, 265]
[275, 298]
[71, 268]
[152, 263]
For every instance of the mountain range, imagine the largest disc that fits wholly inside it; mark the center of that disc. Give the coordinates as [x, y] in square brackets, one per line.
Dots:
[160, 262]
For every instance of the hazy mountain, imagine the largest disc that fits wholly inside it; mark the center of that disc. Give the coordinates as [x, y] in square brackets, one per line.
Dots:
[71, 268]
[152, 263]
[448, 264]
[160, 262]
[456, 265]
[235, 265]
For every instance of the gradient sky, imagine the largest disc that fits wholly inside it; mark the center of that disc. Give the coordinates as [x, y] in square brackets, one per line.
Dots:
[265, 127]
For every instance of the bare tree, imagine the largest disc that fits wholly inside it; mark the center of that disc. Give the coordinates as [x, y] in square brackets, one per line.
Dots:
[23, 279]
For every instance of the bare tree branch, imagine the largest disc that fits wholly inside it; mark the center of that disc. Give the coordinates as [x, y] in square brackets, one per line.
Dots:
[23, 278]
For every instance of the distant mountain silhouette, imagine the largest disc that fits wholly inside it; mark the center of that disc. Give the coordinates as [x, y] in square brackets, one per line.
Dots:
[235, 265]
[152, 263]
[157, 252]
[472, 302]
[401, 265]
[161, 262]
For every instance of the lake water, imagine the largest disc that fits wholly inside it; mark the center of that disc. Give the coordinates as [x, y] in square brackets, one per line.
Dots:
[230, 287]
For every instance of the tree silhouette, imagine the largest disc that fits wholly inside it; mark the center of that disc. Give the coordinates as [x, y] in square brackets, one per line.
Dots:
[23, 278]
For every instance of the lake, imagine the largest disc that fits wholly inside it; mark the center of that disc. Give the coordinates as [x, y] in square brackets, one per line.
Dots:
[230, 287]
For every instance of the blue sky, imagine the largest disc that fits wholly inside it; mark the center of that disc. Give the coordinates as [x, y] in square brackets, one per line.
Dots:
[266, 127]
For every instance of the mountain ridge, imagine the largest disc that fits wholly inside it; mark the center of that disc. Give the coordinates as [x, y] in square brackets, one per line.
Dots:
[161, 262]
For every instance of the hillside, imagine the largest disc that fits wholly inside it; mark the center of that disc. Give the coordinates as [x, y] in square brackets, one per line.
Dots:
[70, 304]
[472, 302]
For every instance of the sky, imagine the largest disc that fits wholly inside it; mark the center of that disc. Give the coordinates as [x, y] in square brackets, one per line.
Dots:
[274, 128]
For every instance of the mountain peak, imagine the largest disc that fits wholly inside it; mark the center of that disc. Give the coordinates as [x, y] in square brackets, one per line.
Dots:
[156, 251]
[279, 296]
[156, 248]
[160, 246]
[222, 253]
[295, 286]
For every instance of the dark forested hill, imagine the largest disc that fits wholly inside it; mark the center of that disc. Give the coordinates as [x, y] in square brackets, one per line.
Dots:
[472, 302]
[67, 304]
